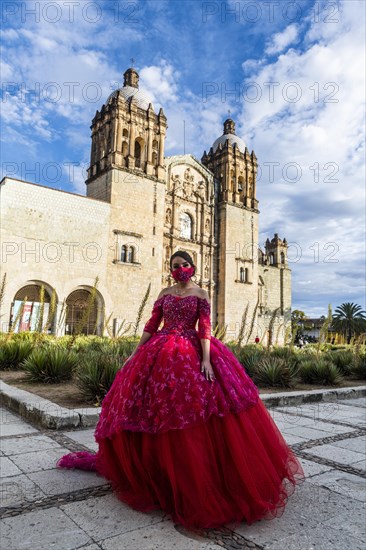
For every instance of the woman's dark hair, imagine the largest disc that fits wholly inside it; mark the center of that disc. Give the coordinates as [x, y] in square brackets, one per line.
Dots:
[182, 254]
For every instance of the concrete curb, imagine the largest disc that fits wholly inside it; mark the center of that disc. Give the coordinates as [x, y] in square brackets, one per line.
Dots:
[47, 414]
[311, 396]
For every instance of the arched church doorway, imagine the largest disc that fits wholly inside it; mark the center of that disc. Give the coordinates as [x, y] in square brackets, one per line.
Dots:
[82, 313]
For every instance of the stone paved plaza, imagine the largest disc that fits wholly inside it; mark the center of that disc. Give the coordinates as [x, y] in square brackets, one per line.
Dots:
[47, 508]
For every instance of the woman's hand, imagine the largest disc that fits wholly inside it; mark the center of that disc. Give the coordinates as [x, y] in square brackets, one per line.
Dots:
[206, 368]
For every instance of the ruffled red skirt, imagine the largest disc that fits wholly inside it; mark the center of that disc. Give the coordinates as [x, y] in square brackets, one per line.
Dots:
[226, 470]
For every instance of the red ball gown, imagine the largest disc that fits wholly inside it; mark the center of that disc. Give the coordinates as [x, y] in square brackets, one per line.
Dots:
[205, 452]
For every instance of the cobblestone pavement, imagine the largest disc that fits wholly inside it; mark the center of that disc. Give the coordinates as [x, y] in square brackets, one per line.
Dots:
[43, 507]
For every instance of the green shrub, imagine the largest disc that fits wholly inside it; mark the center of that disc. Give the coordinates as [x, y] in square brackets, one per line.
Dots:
[250, 362]
[33, 337]
[275, 372]
[50, 365]
[358, 366]
[249, 357]
[320, 371]
[290, 356]
[13, 353]
[342, 359]
[121, 346]
[96, 374]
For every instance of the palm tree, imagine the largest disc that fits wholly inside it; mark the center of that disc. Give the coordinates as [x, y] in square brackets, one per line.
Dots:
[349, 318]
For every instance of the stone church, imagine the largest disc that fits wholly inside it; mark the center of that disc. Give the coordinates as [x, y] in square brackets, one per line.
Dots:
[140, 207]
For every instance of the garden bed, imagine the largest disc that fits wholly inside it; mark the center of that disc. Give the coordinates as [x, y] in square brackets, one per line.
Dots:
[67, 394]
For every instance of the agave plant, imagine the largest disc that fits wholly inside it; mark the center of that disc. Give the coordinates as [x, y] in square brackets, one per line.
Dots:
[358, 367]
[343, 360]
[13, 353]
[320, 371]
[250, 357]
[50, 365]
[274, 372]
[119, 346]
[291, 357]
[96, 374]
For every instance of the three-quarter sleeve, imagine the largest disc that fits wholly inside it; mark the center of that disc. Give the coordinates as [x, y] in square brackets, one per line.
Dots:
[153, 323]
[204, 319]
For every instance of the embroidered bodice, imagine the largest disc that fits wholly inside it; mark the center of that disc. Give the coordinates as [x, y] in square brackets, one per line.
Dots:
[180, 315]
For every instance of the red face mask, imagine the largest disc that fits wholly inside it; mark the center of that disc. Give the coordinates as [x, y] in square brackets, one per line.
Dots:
[183, 273]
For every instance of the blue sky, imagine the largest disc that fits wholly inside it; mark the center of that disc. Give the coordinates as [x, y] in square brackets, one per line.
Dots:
[291, 74]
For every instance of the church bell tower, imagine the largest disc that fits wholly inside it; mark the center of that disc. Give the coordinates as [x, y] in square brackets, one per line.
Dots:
[236, 226]
[127, 134]
[127, 171]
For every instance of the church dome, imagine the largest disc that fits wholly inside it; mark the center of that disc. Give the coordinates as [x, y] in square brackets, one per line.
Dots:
[229, 133]
[131, 90]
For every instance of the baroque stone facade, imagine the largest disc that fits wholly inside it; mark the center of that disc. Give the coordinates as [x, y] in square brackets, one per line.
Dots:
[139, 208]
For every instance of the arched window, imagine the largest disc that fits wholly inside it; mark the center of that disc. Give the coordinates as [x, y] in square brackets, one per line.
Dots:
[124, 253]
[242, 275]
[271, 258]
[282, 258]
[131, 254]
[139, 153]
[109, 141]
[102, 145]
[185, 225]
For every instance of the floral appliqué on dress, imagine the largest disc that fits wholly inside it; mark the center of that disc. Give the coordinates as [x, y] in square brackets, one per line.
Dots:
[162, 387]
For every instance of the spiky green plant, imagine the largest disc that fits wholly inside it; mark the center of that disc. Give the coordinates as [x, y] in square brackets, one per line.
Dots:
[141, 309]
[50, 365]
[219, 332]
[242, 326]
[96, 374]
[18, 316]
[40, 312]
[271, 324]
[13, 353]
[342, 359]
[81, 324]
[254, 314]
[320, 371]
[289, 356]
[274, 372]
[2, 293]
[250, 358]
[51, 312]
[324, 330]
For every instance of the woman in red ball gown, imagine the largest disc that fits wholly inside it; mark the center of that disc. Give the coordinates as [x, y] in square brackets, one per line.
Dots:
[182, 428]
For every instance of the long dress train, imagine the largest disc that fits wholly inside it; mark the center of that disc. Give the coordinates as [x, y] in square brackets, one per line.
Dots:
[207, 453]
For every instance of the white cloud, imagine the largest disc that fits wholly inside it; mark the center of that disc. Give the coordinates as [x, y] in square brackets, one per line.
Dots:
[322, 133]
[161, 82]
[281, 40]
[28, 116]
[252, 65]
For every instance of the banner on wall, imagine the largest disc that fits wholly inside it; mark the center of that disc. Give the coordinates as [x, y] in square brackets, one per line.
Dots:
[29, 318]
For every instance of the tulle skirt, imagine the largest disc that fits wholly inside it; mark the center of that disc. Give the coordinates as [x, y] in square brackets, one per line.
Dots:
[226, 470]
